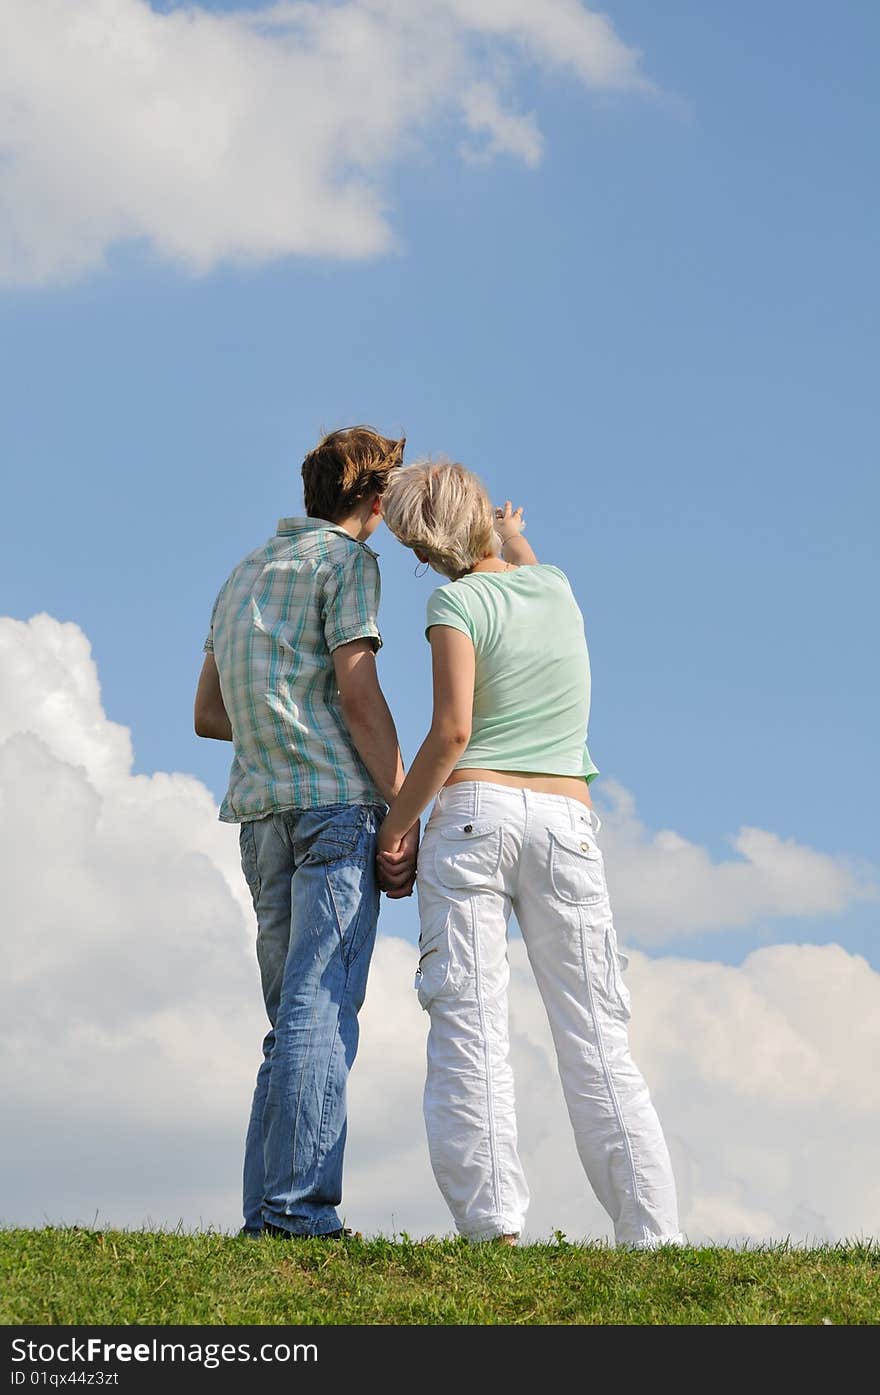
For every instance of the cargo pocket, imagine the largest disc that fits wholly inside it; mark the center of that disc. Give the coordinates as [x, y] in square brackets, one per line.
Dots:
[467, 855]
[615, 987]
[433, 972]
[577, 871]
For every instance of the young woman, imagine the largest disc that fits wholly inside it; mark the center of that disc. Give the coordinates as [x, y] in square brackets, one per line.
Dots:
[512, 829]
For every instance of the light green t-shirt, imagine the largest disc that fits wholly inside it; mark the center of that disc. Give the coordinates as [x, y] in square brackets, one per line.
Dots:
[532, 687]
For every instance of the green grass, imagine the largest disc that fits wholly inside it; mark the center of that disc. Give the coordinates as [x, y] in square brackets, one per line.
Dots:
[82, 1277]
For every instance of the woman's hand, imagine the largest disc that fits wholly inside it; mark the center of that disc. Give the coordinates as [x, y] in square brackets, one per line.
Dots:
[509, 522]
[509, 525]
[396, 857]
[387, 840]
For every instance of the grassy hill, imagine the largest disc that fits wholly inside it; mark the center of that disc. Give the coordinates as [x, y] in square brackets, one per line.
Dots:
[76, 1276]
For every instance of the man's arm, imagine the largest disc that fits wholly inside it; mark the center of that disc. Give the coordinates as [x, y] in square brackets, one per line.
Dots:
[211, 717]
[374, 735]
[367, 715]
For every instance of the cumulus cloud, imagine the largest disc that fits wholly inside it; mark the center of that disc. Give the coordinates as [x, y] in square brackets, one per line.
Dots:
[764, 1077]
[130, 1021]
[664, 886]
[505, 132]
[255, 134]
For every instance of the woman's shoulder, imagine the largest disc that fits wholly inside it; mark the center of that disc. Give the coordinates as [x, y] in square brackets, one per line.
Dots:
[442, 595]
[551, 571]
[447, 599]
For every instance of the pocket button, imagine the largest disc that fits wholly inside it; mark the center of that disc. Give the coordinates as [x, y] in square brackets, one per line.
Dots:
[468, 828]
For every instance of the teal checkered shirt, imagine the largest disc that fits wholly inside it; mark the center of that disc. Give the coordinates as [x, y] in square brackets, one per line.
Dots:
[275, 624]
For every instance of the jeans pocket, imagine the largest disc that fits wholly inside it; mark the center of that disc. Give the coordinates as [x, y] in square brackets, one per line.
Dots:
[577, 870]
[467, 855]
[333, 834]
[354, 897]
[249, 865]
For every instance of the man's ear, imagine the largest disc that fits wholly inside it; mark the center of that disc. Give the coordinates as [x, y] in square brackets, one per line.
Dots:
[376, 506]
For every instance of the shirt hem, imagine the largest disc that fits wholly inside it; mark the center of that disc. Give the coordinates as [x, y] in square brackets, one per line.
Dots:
[451, 623]
[350, 639]
[230, 816]
[472, 764]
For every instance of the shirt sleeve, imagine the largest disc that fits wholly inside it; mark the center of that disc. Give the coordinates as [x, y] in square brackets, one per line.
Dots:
[208, 646]
[350, 603]
[444, 608]
[557, 571]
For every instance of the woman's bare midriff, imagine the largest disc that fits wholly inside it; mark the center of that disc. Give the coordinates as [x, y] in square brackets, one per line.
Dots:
[572, 786]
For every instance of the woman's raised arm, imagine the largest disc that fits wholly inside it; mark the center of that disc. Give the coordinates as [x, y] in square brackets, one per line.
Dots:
[509, 525]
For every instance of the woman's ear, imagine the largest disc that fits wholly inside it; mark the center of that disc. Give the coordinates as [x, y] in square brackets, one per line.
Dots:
[420, 555]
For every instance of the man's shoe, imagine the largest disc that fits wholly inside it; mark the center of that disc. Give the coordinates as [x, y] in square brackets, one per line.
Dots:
[249, 1232]
[343, 1233]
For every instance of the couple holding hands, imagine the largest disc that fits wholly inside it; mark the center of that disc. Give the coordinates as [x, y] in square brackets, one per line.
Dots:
[328, 817]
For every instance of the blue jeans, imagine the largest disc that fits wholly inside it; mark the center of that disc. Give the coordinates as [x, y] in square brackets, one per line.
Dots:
[311, 874]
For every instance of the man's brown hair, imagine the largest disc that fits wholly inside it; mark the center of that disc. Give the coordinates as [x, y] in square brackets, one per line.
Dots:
[345, 468]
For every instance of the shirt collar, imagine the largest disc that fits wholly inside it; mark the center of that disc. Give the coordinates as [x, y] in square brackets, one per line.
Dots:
[288, 526]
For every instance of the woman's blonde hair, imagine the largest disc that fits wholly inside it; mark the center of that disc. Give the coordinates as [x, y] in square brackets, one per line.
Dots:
[441, 510]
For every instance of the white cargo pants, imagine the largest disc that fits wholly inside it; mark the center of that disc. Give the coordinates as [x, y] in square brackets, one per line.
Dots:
[489, 850]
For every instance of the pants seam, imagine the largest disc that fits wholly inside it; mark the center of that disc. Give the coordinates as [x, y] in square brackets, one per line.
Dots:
[487, 1058]
[487, 1054]
[606, 1073]
[320, 1152]
[527, 817]
[300, 1091]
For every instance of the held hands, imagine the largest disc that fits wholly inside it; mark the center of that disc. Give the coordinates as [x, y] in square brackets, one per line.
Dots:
[396, 862]
[509, 522]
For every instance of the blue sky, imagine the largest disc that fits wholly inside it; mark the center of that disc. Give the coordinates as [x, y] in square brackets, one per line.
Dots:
[661, 340]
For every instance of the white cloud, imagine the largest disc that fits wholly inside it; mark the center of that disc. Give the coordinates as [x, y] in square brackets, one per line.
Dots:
[562, 33]
[130, 1021]
[253, 134]
[664, 886]
[507, 133]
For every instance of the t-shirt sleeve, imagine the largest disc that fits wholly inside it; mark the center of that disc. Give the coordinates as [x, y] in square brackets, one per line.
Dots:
[445, 608]
[350, 602]
[557, 571]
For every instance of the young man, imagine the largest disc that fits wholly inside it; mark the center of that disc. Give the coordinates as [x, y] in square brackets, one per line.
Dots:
[290, 679]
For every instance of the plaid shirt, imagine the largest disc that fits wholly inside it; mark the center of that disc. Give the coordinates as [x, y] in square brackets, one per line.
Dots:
[275, 624]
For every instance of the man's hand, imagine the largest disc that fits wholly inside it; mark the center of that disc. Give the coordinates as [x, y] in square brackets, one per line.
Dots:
[396, 863]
